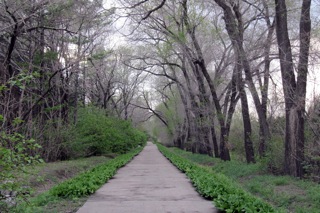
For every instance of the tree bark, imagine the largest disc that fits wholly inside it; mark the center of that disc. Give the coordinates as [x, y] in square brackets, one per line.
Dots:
[266, 77]
[294, 91]
[247, 131]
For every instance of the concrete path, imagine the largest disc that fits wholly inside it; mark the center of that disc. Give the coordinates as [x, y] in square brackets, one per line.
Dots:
[148, 184]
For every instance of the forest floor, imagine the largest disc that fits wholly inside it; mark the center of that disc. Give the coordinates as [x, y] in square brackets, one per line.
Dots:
[42, 177]
[283, 192]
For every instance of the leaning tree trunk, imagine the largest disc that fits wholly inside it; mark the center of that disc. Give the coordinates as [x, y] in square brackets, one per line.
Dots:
[224, 149]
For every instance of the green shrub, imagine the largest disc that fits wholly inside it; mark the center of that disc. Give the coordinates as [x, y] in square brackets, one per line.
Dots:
[273, 161]
[96, 134]
[15, 155]
[225, 194]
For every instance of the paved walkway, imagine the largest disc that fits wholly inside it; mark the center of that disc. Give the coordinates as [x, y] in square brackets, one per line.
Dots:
[148, 184]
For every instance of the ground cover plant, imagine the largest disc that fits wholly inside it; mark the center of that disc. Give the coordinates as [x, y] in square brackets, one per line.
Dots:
[74, 191]
[225, 194]
[43, 176]
[283, 192]
[88, 182]
[37, 179]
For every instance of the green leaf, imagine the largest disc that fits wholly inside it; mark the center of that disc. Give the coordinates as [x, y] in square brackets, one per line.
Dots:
[17, 121]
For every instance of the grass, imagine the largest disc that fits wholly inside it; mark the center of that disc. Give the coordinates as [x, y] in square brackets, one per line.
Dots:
[43, 176]
[226, 195]
[90, 181]
[283, 192]
[53, 184]
[46, 203]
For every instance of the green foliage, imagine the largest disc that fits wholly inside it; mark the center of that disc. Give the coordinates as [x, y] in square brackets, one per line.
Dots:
[82, 185]
[236, 169]
[225, 194]
[312, 142]
[17, 121]
[99, 55]
[172, 113]
[21, 79]
[88, 182]
[49, 175]
[196, 158]
[47, 56]
[15, 155]
[273, 160]
[283, 192]
[96, 134]
[3, 88]
[232, 169]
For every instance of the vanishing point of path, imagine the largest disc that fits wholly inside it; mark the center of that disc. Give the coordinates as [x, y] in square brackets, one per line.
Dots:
[148, 184]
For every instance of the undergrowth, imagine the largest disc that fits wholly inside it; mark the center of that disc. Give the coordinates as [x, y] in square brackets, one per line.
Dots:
[225, 194]
[284, 192]
[78, 187]
[98, 134]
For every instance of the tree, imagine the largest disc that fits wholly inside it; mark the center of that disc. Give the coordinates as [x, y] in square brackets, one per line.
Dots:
[294, 89]
[44, 46]
[216, 53]
[235, 27]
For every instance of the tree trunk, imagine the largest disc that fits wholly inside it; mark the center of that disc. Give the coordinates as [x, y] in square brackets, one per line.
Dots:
[234, 27]
[194, 111]
[234, 98]
[224, 149]
[215, 142]
[305, 33]
[248, 145]
[265, 85]
[294, 92]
